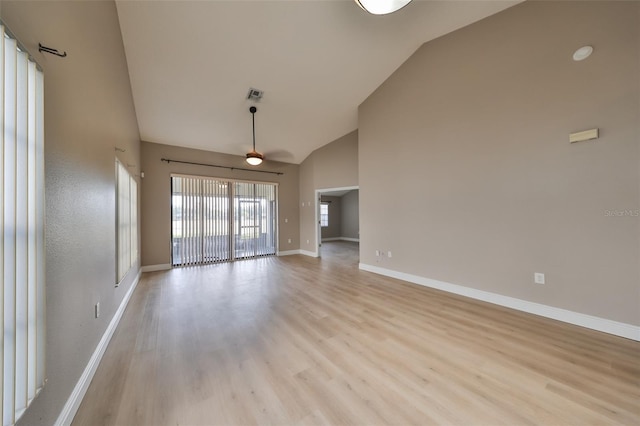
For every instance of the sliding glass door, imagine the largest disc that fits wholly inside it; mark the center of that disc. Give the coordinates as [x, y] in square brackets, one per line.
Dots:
[216, 220]
[254, 225]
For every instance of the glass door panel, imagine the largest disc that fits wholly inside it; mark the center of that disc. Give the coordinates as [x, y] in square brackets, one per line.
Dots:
[206, 224]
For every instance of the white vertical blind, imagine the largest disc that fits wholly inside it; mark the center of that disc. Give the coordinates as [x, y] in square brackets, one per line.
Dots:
[127, 221]
[134, 219]
[200, 220]
[216, 220]
[22, 299]
[37, 264]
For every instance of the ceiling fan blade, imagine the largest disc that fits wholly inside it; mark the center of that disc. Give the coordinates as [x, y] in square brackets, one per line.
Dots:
[278, 155]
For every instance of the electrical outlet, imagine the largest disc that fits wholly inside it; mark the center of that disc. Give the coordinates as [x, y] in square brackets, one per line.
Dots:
[389, 254]
[289, 240]
[377, 253]
[97, 310]
[307, 241]
[538, 278]
[286, 220]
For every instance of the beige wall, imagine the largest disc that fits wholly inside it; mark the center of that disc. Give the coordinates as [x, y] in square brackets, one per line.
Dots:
[467, 175]
[156, 189]
[351, 215]
[88, 111]
[334, 165]
[334, 230]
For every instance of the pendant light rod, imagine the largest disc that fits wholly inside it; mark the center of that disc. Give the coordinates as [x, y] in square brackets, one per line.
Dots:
[253, 111]
[254, 158]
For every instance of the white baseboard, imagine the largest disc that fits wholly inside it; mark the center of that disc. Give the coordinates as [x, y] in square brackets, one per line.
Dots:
[73, 403]
[153, 268]
[355, 240]
[621, 329]
[309, 253]
[288, 252]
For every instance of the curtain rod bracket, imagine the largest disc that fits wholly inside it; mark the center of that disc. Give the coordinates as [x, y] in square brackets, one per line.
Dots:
[51, 50]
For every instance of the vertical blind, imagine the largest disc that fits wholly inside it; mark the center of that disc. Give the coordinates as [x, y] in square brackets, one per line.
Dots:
[127, 221]
[254, 219]
[215, 220]
[200, 220]
[22, 242]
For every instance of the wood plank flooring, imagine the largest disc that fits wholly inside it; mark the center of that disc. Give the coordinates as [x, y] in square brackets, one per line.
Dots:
[303, 341]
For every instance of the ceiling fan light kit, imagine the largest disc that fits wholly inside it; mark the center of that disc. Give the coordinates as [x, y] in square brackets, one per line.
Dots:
[254, 158]
[382, 7]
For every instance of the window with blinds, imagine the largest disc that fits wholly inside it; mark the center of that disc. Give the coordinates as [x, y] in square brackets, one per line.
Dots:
[22, 298]
[127, 221]
[324, 215]
[216, 220]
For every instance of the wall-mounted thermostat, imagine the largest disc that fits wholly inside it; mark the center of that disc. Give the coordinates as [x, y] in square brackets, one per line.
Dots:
[585, 135]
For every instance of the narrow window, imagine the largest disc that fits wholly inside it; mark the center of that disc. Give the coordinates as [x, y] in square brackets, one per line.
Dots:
[324, 215]
[127, 221]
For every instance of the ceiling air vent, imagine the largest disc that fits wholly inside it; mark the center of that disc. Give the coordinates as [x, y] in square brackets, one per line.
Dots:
[255, 94]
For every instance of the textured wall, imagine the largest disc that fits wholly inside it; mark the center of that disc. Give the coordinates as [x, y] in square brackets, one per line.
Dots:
[156, 190]
[467, 174]
[88, 112]
[351, 214]
[335, 165]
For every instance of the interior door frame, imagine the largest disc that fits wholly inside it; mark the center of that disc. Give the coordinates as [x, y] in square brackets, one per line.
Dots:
[319, 193]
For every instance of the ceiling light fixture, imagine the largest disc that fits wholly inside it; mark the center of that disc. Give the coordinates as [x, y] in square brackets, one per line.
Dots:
[254, 157]
[382, 7]
[583, 53]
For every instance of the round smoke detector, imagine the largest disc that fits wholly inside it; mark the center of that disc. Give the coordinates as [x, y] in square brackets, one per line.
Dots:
[583, 53]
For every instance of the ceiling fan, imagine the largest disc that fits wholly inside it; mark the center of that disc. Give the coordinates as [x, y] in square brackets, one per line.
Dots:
[255, 158]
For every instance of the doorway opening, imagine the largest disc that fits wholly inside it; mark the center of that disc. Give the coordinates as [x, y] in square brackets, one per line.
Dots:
[337, 217]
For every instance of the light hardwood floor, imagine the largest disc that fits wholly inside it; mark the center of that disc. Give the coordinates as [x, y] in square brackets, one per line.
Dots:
[298, 340]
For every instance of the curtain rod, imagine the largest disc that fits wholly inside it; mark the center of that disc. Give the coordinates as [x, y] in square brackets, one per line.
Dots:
[221, 167]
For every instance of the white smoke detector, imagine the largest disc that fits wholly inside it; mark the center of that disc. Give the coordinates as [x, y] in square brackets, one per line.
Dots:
[583, 53]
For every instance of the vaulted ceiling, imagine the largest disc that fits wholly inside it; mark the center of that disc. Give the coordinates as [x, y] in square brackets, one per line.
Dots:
[191, 64]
